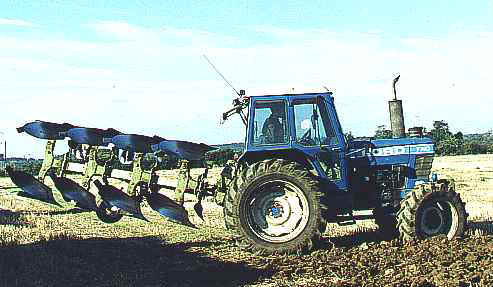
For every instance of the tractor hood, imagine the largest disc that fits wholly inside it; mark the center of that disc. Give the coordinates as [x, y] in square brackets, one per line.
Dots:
[400, 142]
[415, 154]
[377, 144]
[391, 151]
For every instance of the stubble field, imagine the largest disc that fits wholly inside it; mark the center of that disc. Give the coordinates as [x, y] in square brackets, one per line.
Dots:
[41, 245]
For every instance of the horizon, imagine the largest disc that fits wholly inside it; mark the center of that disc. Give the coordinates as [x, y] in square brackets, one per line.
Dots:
[139, 67]
[29, 156]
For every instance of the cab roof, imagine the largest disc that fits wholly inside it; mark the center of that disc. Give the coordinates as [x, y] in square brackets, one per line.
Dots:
[291, 94]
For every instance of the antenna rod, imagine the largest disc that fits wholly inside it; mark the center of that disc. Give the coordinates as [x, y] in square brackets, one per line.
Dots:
[217, 71]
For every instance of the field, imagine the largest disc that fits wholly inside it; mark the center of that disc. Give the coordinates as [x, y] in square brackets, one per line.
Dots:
[42, 245]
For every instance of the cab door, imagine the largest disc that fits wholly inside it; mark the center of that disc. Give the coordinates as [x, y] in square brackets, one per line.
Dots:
[317, 132]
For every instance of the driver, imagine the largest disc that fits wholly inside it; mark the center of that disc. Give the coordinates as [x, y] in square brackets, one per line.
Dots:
[272, 129]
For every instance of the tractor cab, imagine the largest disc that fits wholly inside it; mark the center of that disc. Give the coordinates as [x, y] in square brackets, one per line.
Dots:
[300, 127]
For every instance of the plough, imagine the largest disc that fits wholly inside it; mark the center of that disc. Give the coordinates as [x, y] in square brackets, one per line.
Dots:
[93, 153]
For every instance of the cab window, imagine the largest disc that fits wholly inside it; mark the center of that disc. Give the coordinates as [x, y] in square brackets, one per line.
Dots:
[312, 123]
[270, 126]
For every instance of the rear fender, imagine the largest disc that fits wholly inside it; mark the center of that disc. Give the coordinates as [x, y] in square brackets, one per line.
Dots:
[303, 159]
[337, 201]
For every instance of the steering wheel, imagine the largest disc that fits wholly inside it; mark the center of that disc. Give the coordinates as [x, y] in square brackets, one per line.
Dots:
[307, 137]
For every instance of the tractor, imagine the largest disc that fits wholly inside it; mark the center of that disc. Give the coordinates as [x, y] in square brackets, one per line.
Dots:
[298, 172]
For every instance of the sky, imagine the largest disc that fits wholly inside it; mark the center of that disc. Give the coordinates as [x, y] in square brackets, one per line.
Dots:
[138, 66]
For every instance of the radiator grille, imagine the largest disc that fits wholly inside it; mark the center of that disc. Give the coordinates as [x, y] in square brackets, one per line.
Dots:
[423, 166]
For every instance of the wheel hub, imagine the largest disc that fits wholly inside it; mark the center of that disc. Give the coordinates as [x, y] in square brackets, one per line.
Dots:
[432, 220]
[276, 212]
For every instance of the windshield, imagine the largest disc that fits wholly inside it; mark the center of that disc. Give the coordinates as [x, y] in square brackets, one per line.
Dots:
[312, 123]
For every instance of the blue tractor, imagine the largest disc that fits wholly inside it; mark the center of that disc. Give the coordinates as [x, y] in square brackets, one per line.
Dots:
[298, 172]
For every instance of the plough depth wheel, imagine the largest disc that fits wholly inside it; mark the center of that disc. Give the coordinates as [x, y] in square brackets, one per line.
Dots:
[107, 213]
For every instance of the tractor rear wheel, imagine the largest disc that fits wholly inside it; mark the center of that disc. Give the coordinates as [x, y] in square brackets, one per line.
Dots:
[274, 208]
[431, 210]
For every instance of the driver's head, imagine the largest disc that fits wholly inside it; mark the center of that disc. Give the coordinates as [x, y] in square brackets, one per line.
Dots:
[277, 110]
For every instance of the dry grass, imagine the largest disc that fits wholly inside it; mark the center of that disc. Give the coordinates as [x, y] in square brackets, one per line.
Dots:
[473, 175]
[41, 245]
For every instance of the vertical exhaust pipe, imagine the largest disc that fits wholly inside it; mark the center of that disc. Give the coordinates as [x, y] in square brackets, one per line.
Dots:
[396, 114]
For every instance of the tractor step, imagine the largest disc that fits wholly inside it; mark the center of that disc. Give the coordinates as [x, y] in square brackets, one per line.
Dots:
[345, 219]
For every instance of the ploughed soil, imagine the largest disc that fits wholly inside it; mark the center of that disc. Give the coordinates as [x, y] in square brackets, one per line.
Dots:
[42, 245]
[208, 257]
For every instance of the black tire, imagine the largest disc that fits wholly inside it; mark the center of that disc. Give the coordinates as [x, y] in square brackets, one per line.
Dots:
[105, 214]
[431, 210]
[275, 196]
[387, 223]
[228, 210]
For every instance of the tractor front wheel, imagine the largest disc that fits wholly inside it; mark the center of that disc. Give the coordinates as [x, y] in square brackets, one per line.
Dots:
[430, 210]
[275, 208]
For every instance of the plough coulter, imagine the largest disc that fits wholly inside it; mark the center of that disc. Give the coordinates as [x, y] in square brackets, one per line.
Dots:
[94, 154]
[297, 173]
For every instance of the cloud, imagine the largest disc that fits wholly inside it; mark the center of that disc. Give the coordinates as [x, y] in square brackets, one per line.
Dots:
[442, 78]
[163, 36]
[155, 80]
[122, 30]
[15, 22]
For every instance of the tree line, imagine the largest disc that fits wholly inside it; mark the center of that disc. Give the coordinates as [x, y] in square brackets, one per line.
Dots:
[218, 157]
[448, 143]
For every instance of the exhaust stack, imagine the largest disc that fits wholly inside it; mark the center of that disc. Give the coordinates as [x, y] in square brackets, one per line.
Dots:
[396, 114]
